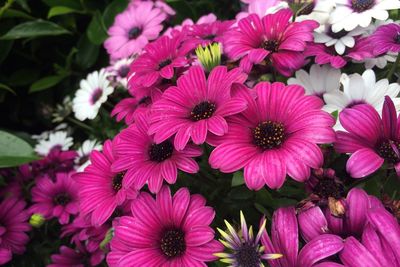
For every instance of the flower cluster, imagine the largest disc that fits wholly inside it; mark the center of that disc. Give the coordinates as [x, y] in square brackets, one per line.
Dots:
[260, 99]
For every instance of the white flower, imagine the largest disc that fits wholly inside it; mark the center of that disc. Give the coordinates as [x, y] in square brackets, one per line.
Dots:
[349, 14]
[262, 8]
[118, 71]
[84, 151]
[55, 140]
[46, 134]
[320, 12]
[361, 89]
[321, 80]
[380, 61]
[341, 39]
[92, 93]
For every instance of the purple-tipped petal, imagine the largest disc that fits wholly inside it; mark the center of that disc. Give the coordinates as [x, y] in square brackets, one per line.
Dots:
[312, 223]
[358, 202]
[389, 118]
[363, 162]
[319, 248]
[354, 254]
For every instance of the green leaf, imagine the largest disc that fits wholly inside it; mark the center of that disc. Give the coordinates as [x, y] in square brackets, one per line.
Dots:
[74, 4]
[114, 8]
[5, 87]
[96, 31]
[61, 10]
[24, 5]
[13, 13]
[29, 76]
[14, 151]
[87, 53]
[5, 47]
[33, 29]
[46, 83]
[237, 179]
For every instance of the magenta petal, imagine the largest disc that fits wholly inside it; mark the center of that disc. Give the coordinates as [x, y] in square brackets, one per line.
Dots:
[167, 72]
[285, 235]
[217, 125]
[199, 132]
[275, 169]
[354, 254]
[358, 202]
[389, 118]
[371, 240]
[328, 264]
[199, 235]
[312, 223]
[5, 255]
[387, 226]
[143, 257]
[254, 173]
[363, 162]
[319, 248]
[257, 55]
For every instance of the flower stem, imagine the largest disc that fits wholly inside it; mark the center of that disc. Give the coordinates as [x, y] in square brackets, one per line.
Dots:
[6, 6]
[394, 67]
[80, 124]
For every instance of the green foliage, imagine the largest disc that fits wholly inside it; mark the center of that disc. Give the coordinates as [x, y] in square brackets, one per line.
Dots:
[14, 151]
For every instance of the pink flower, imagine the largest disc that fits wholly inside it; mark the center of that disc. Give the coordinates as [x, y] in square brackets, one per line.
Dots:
[68, 257]
[328, 55]
[285, 240]
[133, 29]
[364, 228]
[386, 39]
[13, 225]
[272, 38]
[55, 199]
[370, 139]
[157, 62]
[205, 33]
[168, 231]
[145, 161]
[56, 161]
[196, 106]
[277, 135]
[101, 189]
[261, 8]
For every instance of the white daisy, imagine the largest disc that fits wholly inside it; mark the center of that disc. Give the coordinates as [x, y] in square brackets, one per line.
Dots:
[46, 134]
[361, 89]
[321, 80]
[59, 140]
[118, 72]
[340, 40]
[92, 93]
[318, 10]
[349, 14]
[84, 151]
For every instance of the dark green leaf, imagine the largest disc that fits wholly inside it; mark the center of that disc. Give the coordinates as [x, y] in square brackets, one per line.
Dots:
[46, 83]
[5, 87]
[5, 47]
[87, 53]
[24, 5]
[96, 31]
[117, 6]
[34, 29]
[13, 13]
[23, 77]
[61, 10]
[74, 4]
[237, 179]
[241, 193]
[14, 151]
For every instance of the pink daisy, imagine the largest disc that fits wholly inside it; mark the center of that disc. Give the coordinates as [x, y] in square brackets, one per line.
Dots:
[68, 257]
[328, 55]
[206, 33]
[166, 231]
[56, 198]
[133, 29]
[386, 39]
[101, 189]
[197, 106]
[277, 135]
[13, 225]
[370, 139]
[146, 161]
[271, 38]
[157, 62]
[56, 161]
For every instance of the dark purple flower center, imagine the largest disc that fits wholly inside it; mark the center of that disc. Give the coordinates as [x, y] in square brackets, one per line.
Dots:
[117, 181]
[270, 45]
[355, 103]
[397, 38]
[269, 134]
[362, 5]
[83, 159]
[329, 188]
[336, 35]
[161, 152]
[209, 37]
[389, 150]
[96, 95]
[62, 199]
[123, 71]
[202, 111]
[173, 243]
[134, 33]
[146, 100]
[247, 256]
[164, 63]
[306, 9]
